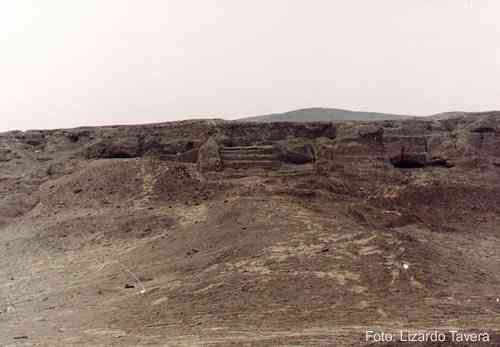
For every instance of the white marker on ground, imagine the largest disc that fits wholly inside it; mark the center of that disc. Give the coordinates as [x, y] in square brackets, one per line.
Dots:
[137, 280]
[127, 270]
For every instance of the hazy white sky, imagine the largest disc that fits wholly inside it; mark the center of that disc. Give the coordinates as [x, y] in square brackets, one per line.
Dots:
[90, 62]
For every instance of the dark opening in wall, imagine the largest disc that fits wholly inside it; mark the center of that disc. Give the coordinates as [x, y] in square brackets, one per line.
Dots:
[407, 163]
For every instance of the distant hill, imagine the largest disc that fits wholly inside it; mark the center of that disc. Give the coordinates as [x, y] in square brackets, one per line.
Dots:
[447, 115]
[458, 114]
[323, 115]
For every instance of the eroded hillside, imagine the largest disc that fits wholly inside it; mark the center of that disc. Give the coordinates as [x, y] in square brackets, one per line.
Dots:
[228, 233]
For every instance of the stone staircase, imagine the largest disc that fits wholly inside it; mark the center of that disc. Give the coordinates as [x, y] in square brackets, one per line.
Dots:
[250, 157]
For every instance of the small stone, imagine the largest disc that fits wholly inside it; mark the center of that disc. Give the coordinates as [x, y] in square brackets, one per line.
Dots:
[20, 337]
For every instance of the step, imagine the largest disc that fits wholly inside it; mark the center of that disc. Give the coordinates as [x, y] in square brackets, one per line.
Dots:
[237, 148]
[248, 156]
[249, 149]
[248, 164]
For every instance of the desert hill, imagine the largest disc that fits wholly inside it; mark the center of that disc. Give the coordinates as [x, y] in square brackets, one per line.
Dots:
[324, 115]
[231, 233]
[339, 115]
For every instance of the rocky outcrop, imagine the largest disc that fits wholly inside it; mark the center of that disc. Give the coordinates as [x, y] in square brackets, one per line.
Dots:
[294, 153]
[124, 147]
[353, 148]
[209, 158]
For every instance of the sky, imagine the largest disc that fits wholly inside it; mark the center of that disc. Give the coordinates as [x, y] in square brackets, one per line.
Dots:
[94, 62]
